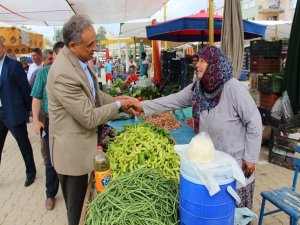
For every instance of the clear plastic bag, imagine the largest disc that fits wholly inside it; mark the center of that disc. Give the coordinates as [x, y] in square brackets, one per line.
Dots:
[282, 107]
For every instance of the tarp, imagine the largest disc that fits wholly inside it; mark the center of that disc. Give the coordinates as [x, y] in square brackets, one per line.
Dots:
[292, 66]
[195, 28]
[19, 40]
[232, 40]
[57, 12]
[35, 12]
[137, 29]
[280, 28]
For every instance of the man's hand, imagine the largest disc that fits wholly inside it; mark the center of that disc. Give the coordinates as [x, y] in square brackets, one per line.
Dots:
[37, 127]
[127, 105]
[137, 106]
[119, 98]
[248, 168]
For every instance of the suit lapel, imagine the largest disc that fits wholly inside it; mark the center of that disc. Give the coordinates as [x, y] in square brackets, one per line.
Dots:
[4, 70]
[78, 68]
[95, 79]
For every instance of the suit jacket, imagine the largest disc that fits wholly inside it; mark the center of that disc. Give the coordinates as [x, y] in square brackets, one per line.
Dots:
[74, 115]
[14, 92]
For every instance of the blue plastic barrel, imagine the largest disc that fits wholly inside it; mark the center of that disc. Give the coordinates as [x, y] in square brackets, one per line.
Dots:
[197, 207]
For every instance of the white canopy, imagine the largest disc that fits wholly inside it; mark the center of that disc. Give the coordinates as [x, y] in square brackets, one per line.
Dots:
[56, 12]
[134, 29]
[283, 28]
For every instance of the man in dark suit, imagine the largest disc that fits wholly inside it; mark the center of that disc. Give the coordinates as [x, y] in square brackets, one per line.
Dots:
[15, 105]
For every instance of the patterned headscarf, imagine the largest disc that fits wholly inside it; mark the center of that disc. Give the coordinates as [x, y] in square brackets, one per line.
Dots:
[207, 91]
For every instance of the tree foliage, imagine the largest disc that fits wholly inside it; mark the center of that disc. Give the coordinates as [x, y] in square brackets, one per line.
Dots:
[58, 36]
[101, 35]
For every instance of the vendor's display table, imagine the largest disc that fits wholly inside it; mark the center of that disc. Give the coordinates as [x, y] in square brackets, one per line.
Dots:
[182, 135]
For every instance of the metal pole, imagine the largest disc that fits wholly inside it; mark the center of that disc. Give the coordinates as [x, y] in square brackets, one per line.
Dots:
[211, 22]
[165, 19]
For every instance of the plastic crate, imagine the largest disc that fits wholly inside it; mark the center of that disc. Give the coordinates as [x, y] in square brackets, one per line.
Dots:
[265, 65]
[268, 84]
[285, 124]
[262, 48]
[282, 157]
[267, 101]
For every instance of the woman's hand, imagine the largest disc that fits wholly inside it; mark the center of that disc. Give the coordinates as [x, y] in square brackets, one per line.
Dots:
[248, 168]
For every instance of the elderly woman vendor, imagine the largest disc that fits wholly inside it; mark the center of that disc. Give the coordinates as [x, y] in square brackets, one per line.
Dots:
[222, 108]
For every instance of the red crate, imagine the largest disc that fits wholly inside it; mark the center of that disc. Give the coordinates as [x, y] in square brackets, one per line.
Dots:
[265, 65]
[267, 100]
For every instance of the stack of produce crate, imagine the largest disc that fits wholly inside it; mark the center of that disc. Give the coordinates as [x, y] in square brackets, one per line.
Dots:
[265, 71]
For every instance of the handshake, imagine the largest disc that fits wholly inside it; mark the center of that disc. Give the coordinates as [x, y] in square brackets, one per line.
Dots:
[129, 105]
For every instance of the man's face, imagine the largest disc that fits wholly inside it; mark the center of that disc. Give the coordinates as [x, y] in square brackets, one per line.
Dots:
[37, 58]
[48, 60]
[2, 51]
[195, 61]
[84, 51]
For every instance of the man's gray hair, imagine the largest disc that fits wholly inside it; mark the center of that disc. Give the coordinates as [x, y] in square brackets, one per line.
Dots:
[46, 52]
[73, 29]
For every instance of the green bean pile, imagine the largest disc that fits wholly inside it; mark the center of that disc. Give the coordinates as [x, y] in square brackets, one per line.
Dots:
[143, 146]
[143, 197]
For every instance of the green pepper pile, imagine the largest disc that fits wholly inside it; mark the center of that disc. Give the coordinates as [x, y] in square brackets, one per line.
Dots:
[143, 146]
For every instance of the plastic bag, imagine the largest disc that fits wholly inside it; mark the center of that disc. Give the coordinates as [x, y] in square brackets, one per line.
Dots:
[282, 107]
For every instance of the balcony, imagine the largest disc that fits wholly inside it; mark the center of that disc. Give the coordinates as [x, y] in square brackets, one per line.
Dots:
[271, 6]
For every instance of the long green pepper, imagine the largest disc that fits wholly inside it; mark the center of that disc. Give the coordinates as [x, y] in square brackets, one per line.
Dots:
[145, 197]
[143, 146]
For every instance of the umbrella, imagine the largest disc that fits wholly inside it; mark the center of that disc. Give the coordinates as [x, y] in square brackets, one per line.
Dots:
[195, 28]
[232, 35]
[19, 40]
[292, 67]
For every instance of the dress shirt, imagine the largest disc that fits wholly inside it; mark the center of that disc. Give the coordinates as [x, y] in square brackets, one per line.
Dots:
[32, 68]
[89, 76]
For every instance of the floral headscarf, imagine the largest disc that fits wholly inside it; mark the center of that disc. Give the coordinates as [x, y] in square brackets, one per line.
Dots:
[207, 91]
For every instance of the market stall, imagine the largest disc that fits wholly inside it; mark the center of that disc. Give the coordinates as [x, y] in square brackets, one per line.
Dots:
[19, 40]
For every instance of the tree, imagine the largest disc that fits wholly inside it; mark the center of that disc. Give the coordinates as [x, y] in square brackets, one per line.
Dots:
[48, 42]
[101, 35]
[58, 36]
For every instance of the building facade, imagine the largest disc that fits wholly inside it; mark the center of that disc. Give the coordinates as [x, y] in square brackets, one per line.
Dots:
[265, 9]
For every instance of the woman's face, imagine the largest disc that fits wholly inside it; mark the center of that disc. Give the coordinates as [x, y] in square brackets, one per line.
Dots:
[201, 67]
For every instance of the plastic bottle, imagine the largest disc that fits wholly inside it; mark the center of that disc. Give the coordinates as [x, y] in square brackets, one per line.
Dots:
[101, 170]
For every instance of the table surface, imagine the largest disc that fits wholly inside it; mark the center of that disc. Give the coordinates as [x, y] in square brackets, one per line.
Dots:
[182, 135]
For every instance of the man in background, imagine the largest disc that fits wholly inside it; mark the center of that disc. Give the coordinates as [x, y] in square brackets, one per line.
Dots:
[145, 65]
[118, 68]
[40, 103]
[15, 107]
[132, 66]
[37, 59]
[108, 70]
[47, 56]
[195, 61]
